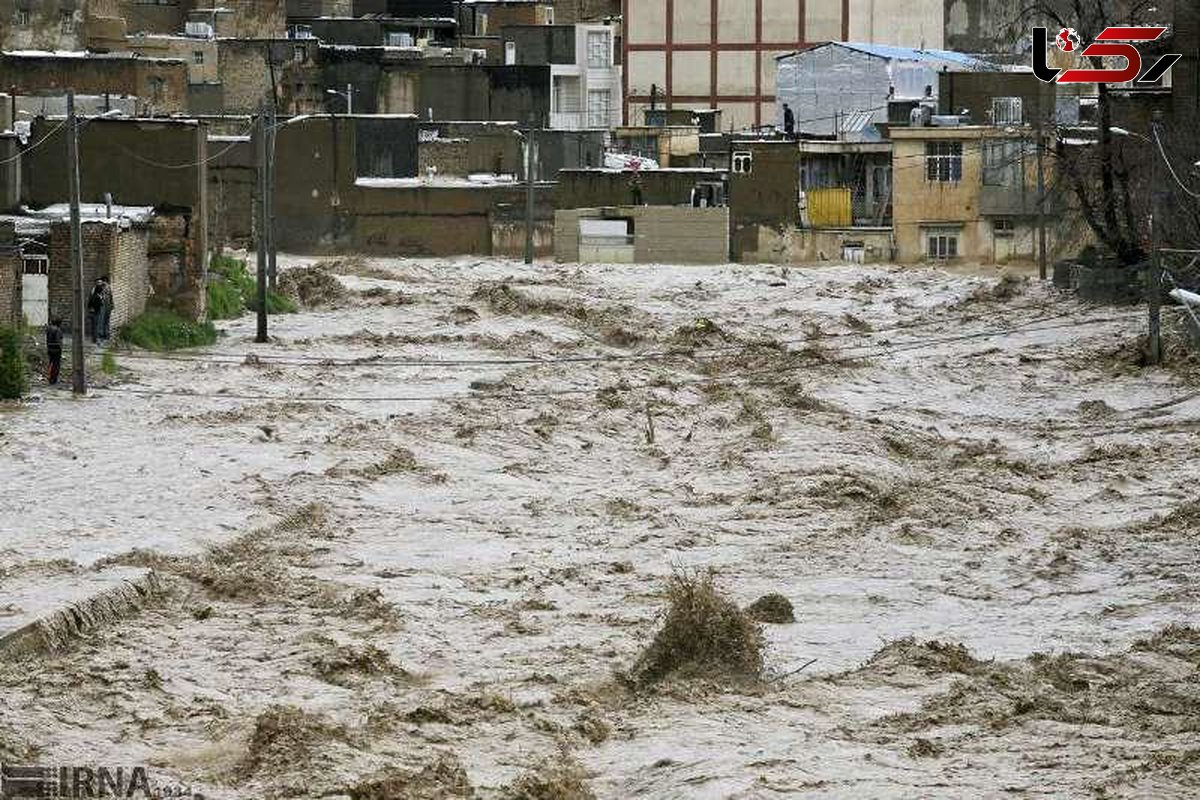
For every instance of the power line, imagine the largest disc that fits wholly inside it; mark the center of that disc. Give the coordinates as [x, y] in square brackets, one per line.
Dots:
[1170, 167]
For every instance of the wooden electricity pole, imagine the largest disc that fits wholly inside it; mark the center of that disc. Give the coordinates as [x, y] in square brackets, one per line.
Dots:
[529, 169]
[272, 274]
[1041, 191]
[260, 209]
[1154, 279]
[78, 328]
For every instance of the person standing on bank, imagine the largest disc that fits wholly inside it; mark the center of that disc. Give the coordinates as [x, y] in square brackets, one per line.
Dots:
[106, 309]
[54, 345]
[95, 306]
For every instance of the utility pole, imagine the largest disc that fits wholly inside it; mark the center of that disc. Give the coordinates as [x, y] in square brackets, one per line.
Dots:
[272, 275]
[1154, 279]
[529, 169]
[260, 209]
[78, 379]
[1041, 191]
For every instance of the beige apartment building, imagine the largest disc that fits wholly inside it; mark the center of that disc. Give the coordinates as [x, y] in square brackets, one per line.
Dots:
[721, 53]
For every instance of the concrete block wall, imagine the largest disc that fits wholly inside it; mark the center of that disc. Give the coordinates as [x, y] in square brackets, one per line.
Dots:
[661, 234]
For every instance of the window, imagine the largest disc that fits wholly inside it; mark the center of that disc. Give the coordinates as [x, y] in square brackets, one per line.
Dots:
[943, 161]
[742, 162]
[1002, 162]
[1002, 227]
[599, 49]
[198, 58]
[1007, 111]
[566, 94]
[22, 16]
[941, 245]
[66, 21]
[599, 108]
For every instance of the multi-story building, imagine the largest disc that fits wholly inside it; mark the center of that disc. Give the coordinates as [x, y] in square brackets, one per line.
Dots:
[969, 192]
[721, 53]
[585, 81]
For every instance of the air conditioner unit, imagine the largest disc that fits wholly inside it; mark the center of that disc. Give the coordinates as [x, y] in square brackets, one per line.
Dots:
[199, 30]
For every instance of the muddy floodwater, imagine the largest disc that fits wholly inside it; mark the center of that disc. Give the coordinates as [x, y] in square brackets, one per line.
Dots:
[415, 545]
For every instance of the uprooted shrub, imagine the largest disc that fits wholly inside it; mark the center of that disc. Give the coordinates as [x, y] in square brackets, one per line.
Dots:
[703, 634]
[311, 287]
[556, 778]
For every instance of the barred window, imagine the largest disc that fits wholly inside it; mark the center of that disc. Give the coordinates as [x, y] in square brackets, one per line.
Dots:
[943, 161]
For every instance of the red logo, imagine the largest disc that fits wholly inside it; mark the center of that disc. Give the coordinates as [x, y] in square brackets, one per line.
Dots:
[1112, 42]
[1067, 40]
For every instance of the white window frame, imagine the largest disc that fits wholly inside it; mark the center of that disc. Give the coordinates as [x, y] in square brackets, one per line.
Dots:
[22, 17]
[943, 161]
[941, 244]
[198, 58]
[599, 115]
[1008, 111]
[599, 49]
[741, 162]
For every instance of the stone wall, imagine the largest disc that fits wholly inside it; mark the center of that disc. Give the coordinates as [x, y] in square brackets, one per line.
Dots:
[175, 275]
[108, 249]
[443, 157]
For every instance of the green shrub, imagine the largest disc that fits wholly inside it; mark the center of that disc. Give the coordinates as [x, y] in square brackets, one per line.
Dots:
[237, 291]
[14, 380]
[224, 300]
[159, 329]
[108, 363]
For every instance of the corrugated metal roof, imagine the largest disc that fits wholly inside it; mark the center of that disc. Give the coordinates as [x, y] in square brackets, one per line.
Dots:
[903, 54]
[913, 54]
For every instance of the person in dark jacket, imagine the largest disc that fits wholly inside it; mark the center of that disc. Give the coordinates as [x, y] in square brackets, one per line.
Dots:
[95, 307]
[54, 345]
[789, 121]
[106, 309]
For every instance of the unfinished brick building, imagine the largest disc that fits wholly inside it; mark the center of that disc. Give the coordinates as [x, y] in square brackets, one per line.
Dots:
[116, 248]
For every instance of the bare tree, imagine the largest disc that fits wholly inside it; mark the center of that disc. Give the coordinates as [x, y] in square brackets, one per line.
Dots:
[1110, 179]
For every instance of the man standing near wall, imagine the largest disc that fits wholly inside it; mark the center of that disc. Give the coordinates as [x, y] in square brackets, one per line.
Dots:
[54, 345]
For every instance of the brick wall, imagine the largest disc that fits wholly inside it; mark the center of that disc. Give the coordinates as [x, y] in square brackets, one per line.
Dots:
[108, 249]
[10, 278]
[446, 156]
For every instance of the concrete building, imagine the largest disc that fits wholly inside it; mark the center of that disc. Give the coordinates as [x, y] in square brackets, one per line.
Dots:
[159, 84]
[968, 193]
[351, 184]
[156, 163]
[642, 235]
[722, 54]
[102, 25]
[585, 82]
[666, 145]
[490, 17]
[843, 88]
